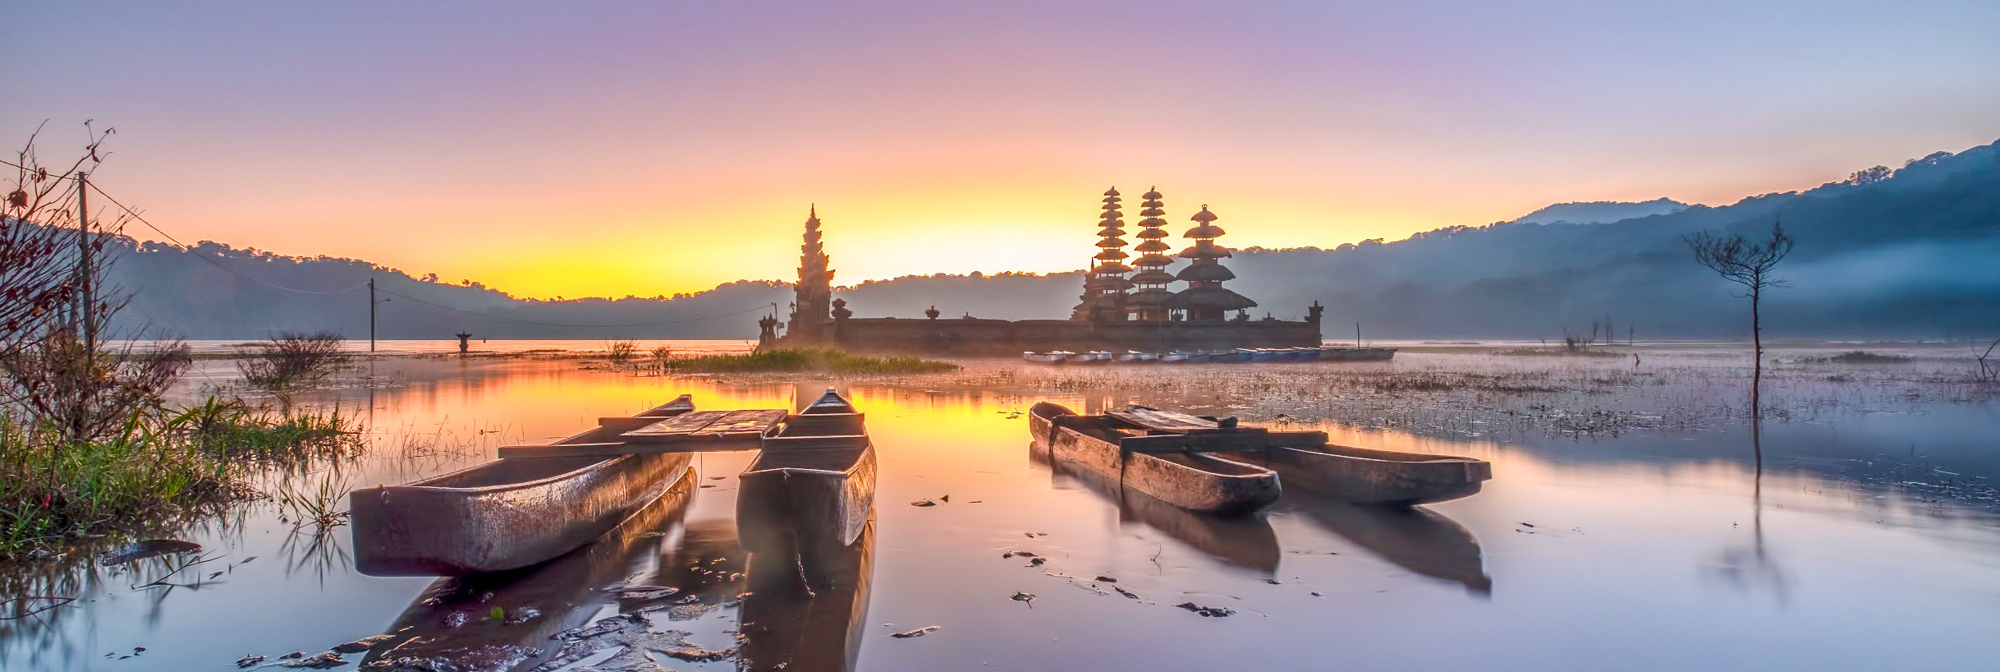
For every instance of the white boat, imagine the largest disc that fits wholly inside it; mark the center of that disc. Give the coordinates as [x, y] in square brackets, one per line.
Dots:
[1131, 357]
[1175, 357]
[1056, 357]
[1092, 357]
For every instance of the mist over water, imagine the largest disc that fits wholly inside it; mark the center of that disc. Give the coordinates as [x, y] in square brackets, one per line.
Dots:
[1583, 552]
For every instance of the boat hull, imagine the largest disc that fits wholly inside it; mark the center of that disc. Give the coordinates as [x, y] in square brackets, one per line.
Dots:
[835, 500]
[1192, 481]
[431, 528]
[1365, 476]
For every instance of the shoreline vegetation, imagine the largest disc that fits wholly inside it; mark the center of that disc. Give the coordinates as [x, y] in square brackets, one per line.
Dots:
[811, 360]
[162, 467]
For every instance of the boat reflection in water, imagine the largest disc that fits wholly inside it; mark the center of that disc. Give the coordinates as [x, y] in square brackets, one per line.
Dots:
[1247, 542]
[449, 626]
[807, 602]
[1413, 538]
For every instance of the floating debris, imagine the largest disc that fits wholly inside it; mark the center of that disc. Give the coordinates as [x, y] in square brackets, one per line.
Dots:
[320, 661]
[360, 645]
[619, 623]
[1207, 612]
[1122, 591]
[1105, 579]
[248, 661]
[1024, 597]
[1037, 562]
[923, 502]
[919, 632]
[150, 548]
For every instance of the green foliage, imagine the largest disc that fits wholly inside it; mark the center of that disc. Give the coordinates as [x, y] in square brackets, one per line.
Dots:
[156, 469]
[822, 360]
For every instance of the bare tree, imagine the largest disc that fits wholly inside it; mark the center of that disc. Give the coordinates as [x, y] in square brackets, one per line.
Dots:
[38, 279]
[1749, 264]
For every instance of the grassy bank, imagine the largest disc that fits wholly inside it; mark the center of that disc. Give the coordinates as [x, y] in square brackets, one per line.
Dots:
[159, 469]
[818, 360]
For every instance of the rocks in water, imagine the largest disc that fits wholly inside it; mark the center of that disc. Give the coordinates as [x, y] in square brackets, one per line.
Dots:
[522, 615]
[456, 619]
[1207, 612]
[360, 645]
[249, 661]
[923, 502]
[695, 654]
[1037, 562]
[919, 632]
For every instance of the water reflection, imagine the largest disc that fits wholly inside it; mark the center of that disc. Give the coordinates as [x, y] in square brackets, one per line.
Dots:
[1246, 542]
[1414, 538]
[807, 606]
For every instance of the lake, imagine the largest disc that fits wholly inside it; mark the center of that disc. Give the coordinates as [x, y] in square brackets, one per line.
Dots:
[1858, 540]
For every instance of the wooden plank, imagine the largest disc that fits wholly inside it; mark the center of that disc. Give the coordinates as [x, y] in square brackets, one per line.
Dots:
[742, 423]
[1156, 419]
[680, 425]
[719, 444]
[1210, 442]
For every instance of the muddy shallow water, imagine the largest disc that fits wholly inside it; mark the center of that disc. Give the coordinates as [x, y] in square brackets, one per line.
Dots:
[1868, 539]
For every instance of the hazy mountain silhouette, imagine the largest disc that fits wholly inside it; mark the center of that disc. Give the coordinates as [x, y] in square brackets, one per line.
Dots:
[1599, 212]
[1910, 252]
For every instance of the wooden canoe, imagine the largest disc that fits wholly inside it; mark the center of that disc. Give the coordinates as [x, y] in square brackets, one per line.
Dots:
[1307, 461]
[511, 513]
[1368, 476]
[1247, 542]
[1191, 480]
[817, 471]
[566, 593]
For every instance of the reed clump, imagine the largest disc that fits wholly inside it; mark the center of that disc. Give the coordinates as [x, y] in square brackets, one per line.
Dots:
[158, 468]
[817, 360]
[291, 359]
[1859, 357]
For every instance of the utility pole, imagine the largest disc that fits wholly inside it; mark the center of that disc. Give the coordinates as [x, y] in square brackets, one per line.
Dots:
[87, 303]
[371, 314]
[1357, 334]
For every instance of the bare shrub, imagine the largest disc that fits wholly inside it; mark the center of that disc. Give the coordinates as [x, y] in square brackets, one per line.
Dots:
[621, 352]
[292, 359]
[663, 358]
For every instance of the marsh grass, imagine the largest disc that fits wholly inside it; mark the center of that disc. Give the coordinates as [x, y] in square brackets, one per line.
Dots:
[1859, 357]
[291, 359]
[815, 360]
[159, 468]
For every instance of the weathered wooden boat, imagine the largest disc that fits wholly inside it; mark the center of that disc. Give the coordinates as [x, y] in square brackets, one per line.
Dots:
[1191, 480]
[817, 470]
[1247, 542]
[1056, 357]
[1307, 461]
[509, 513]
[536, 602]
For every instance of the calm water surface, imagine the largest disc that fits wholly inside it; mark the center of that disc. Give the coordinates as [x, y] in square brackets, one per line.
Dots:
[1867, 542]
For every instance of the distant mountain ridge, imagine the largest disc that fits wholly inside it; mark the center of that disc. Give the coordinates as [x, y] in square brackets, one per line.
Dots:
[1909, 252]
[1600, 212]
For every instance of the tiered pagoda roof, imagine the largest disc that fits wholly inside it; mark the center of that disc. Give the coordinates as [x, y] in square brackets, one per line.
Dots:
[812, 296]
[1149, 302]
[1205, 299]
[1104, 284]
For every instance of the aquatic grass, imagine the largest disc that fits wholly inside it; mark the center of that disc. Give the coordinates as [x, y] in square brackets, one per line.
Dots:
[820, 360]
[1859, 357]
[157, 471]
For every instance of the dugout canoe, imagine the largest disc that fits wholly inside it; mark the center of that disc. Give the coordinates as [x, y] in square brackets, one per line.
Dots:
[1307, 461]
[816, 471]
[1247, 542]
[509, 513]
[1191, 480]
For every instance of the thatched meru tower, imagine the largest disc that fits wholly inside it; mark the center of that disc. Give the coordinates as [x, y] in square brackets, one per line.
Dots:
[813, 295]
[1205, 300]
[1148, 303]
[1105, 284]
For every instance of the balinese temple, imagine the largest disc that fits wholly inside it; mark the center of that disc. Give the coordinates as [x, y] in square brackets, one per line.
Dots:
[1120, 309]
[1205, 300]
[1104, 283]
[1148, 302]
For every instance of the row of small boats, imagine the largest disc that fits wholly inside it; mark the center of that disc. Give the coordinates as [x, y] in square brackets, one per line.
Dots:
[816, 466]
[1327, 353]
[817, 469]
[1211, 466]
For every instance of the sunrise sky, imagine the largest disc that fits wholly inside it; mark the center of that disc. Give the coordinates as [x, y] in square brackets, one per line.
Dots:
[599, 148]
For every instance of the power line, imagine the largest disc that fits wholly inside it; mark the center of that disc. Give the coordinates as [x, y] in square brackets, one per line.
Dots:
[217, 264]
[562, 324]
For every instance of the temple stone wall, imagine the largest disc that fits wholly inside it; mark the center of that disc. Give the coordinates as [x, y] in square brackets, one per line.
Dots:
[973, 336]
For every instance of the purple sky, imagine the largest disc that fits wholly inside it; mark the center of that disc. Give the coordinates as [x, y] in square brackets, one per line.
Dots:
[509, 142]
